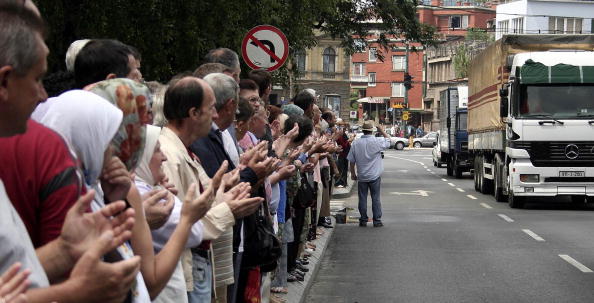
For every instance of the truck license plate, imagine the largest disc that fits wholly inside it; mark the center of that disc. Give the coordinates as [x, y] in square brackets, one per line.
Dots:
[572, 174]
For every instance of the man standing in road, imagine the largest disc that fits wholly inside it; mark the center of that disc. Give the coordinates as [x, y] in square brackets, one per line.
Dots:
[365, 153]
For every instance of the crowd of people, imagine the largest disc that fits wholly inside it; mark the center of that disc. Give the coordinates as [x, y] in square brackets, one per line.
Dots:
[115, 189]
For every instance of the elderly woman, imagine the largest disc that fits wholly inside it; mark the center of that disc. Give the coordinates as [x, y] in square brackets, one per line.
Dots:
[105, 137]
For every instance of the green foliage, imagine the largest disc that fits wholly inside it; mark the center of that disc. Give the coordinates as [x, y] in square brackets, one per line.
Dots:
[174, 35]
[461, 61]
[478, 34]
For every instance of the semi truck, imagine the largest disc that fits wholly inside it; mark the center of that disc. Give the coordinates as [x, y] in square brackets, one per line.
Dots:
[531, 118]
[453, 136]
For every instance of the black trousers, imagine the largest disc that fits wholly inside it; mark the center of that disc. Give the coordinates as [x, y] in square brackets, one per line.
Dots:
[293, 247]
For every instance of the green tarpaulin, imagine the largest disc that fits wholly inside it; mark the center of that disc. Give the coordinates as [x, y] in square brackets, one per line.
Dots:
[537, 73]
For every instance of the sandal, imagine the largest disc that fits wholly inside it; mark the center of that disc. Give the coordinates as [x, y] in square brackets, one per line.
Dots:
[279, 290]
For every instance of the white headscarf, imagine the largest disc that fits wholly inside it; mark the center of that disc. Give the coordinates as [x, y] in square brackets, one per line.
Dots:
[88, 123]
[143, 171]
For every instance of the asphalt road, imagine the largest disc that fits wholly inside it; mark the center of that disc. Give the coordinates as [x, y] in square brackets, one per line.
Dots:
[444, 242]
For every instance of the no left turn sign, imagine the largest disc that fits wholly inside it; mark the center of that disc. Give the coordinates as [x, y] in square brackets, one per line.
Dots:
[265, 47]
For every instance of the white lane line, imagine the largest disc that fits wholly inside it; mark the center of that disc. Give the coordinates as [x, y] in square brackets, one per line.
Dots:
[428, 170]
[452, 184]
[433, 172]
[575, 263]
[444, 180]
[471, 197]
[506, 218]
[533, 235]
[459, 189]
[485, 205]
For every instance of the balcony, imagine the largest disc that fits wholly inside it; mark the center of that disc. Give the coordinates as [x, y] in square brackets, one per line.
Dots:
[358, 78]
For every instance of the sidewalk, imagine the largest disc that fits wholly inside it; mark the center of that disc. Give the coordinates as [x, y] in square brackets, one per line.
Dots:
[298, 290]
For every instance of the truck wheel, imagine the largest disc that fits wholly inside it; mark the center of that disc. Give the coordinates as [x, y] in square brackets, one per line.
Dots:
[399, 146]
[515, 201]
[417, 144]
[475, 174]
[457, 171]
[485, 185]
[499, 196]
[449, 169]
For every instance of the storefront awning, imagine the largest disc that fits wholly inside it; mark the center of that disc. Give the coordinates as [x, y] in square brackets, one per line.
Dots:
[376, 100]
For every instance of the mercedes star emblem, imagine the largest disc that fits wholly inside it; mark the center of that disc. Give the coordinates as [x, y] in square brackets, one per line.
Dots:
[572, 151]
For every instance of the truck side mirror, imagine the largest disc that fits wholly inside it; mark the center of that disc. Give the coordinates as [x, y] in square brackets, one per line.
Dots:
[503, 107]
[449, 122]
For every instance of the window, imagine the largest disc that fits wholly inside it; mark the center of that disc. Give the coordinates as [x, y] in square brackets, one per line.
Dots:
[561, 25]
[371, 79]
[372, 54]
[426, 2]
[398, 63]
[332, 102]
[592, 26]
[450, 2]
[397, 89]
[459, 21]
[329, 58]
[503, 27]
[300, 60]
[359, 69]
[518, 25]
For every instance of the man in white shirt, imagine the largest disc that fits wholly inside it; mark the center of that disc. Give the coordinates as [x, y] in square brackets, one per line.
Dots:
[365, 154]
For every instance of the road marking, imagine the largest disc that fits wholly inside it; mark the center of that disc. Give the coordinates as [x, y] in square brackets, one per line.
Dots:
[575, 263]
[452, 184]
[485, 205]
[444, 180]
[459, 189]
[471, 197]
[422, 193]
[403, 171]
[533, 235]
[337, 201]
[506, 218]
[428, 158]
[433, 172]
[428, 170]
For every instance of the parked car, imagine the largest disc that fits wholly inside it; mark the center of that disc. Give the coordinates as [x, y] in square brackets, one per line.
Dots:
[398, 143]
[428, 140]
[437, 161]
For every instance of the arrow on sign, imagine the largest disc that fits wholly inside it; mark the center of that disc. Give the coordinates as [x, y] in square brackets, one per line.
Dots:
[422, 193]
[267, 43]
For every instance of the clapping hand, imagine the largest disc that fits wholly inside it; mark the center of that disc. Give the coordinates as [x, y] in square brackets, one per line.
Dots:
[194, 209]
[13, 285]
[157, 213]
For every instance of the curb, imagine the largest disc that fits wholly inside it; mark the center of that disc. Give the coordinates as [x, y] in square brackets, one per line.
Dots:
[344, 193]
[298, 291]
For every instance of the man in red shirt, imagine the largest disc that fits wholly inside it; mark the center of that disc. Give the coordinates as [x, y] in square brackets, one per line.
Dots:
[41, 178]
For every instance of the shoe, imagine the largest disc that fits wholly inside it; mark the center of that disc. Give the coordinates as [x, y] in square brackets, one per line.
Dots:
[279, 290]
[291, 278]
[328, 220]
[297, 275]
[309, 250]
[362, 224]
[302, 268]
[378, 224]
[306, 254]
[326, 225]
[303, 262]
[339, 186]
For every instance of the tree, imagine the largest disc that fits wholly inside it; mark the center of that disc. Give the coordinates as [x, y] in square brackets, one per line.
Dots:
[174, 35]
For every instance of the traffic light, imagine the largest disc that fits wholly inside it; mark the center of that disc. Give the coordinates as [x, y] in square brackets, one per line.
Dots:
[408, 81]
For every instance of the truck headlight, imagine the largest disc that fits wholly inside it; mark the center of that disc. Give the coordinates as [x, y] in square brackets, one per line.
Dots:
[529, 178]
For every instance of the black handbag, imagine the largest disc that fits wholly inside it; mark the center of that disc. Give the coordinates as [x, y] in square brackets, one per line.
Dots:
[264, 247]
[306, 195]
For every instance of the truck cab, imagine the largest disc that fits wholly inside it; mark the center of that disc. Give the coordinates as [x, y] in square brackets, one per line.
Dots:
[548, 110]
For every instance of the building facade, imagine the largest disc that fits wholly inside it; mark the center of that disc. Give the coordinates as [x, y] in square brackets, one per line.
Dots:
[545, 17]
[379, 84]
[324, 68]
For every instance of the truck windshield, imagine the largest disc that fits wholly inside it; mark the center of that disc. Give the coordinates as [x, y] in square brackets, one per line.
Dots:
[560, 101]
[461, 124]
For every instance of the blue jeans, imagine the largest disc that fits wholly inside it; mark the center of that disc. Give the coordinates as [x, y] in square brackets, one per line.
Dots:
[376, 207]
[202, 274]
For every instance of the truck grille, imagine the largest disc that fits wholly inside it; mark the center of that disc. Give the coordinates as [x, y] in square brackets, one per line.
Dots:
[558, 154]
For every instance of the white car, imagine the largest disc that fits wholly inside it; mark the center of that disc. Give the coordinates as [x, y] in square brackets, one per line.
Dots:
[398, 142]
[437, 153]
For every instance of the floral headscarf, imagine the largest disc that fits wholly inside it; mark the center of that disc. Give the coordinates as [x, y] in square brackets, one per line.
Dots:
[88, 123]
[133, 99]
